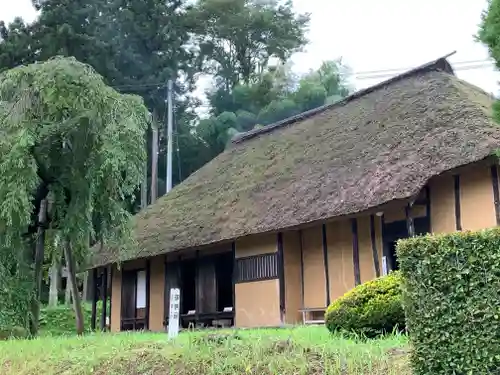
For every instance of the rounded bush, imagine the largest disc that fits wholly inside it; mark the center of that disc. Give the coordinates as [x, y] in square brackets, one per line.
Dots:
[371, 309]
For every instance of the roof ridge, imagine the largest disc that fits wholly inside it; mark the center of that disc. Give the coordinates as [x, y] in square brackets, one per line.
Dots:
[440, 64]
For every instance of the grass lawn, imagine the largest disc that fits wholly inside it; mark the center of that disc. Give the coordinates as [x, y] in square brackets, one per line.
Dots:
[301, 350]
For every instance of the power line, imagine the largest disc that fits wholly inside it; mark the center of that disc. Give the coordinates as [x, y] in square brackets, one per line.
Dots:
[360, 76]
[367, 74]
[409, 68]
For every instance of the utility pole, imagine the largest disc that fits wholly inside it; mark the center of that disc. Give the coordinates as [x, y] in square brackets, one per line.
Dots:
[154, 162]
[169, 135]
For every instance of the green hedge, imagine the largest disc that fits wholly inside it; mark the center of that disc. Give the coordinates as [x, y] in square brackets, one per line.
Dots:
[451, 296]
[370, 309]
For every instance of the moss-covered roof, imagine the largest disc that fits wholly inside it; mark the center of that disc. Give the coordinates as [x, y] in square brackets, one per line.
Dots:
[380, 144]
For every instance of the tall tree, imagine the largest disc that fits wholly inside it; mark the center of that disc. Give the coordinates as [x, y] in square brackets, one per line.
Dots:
[136, 45]
[489, 34]
[66, 134]
[238, 38]
[276, 95]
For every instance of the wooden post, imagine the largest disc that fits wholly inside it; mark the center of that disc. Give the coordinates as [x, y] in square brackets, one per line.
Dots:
[458, 214]
[104, 298]
[110, 294]
[496, 193]
[302, 296]
[355, 251]
[94, 300]
[409, 221]
[281, 277]
[233, 251]
[376, 263]
[148, 291]
[325, 260]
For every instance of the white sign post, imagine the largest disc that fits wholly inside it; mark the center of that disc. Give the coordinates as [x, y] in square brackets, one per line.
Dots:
[173, 317]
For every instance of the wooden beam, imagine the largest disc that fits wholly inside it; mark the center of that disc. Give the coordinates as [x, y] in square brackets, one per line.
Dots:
[301, 269]
[325, 262]
[281, 276]
[93, 318]
[148, 293]
[355, 251]
[376, 263]
[104, 298]
[458, 218]
[496, 198]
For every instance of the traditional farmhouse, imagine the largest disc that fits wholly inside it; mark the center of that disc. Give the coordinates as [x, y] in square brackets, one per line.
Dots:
[292, 216]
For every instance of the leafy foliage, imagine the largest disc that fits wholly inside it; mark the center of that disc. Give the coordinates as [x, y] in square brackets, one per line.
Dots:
[451, 296]
[60, 320]
[135, 45]
[370, 309]
[238, 38]
[67, 135]
[276, 95]
[16, 292]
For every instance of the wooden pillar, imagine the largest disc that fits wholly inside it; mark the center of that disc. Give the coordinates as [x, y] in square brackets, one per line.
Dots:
[110, 294]
[93, 318]
[148, 293]
[325, 262]
[104, 297]
[281, 277]
[458, 213]
[233, 251]
[355, 251]
[301, 269]
[409, 221]
[428, 206]
[385, 249]
[496, 198]
[376, 263]
[197, 287]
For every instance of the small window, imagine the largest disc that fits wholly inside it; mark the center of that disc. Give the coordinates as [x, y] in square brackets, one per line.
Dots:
[141, 290]
[258, 267]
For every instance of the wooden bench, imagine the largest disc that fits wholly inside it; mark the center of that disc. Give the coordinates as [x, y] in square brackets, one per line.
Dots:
[313, 315]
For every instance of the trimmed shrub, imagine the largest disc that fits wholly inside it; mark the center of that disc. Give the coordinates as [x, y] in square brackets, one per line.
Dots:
[451, 296]
[371, 309]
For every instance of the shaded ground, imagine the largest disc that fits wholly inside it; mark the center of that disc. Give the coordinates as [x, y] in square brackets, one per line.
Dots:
[304, 350]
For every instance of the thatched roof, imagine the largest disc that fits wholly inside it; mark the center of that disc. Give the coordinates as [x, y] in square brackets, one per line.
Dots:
[380, 144]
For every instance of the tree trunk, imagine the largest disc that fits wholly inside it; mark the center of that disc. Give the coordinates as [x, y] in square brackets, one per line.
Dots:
[55, 282]
[39, 257]
[85, 287]
[77, 304]
[67, 294]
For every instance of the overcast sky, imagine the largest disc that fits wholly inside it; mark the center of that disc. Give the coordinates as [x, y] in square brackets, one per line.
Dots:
[377, 35]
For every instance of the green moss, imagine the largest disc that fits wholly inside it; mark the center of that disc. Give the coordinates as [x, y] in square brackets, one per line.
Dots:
[370, 309]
